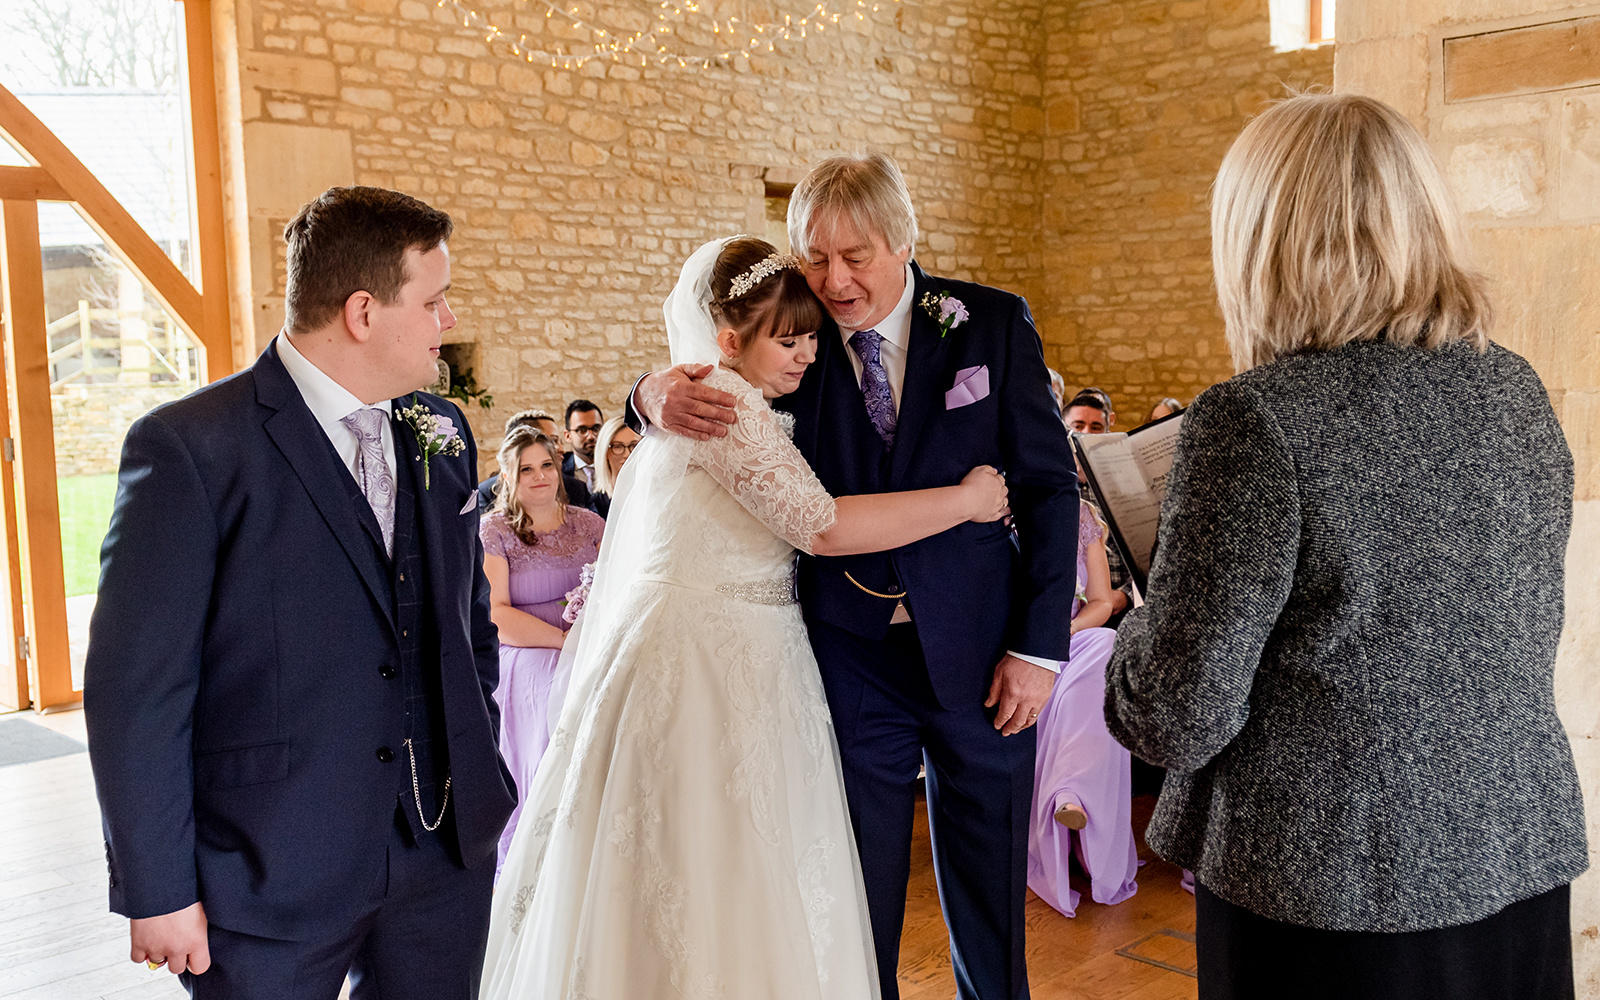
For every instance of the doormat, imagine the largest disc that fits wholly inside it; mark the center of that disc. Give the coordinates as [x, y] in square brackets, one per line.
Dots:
[23, 742]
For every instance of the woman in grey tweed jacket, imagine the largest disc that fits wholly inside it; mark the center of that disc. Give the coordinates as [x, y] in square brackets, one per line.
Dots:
[1346, 659]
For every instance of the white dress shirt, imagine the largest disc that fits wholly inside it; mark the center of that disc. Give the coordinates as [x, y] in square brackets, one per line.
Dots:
[583, 470]
[896, 333]
[330, 403]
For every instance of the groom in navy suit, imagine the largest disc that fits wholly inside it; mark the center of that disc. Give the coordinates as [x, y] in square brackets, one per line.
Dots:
[943, 652]
[291, 667]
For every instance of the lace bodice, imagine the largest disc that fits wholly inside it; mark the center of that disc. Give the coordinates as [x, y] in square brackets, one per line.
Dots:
[745, 502]
[574, 543]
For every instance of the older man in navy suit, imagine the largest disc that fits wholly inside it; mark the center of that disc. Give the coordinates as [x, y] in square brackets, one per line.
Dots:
[940, 653]
[289, 689]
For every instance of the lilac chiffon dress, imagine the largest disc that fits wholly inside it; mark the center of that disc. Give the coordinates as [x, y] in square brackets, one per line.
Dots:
[1079, 762]
[539, 578]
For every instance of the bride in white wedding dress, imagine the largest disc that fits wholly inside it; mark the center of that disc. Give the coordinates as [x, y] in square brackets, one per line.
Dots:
[686, 834]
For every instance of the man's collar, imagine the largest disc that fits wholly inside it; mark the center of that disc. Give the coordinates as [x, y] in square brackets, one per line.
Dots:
[328, 401]
[896, 327]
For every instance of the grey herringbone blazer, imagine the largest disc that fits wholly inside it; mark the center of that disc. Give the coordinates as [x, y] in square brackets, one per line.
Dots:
[1346, 659]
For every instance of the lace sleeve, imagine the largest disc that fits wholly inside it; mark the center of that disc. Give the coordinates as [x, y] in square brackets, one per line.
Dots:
[496, 534]
[764, 471]
[1090, 532]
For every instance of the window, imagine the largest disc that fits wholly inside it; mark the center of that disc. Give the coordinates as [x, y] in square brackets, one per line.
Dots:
[1301, 24]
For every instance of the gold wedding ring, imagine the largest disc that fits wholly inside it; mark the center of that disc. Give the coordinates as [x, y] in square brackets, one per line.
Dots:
[153, 966]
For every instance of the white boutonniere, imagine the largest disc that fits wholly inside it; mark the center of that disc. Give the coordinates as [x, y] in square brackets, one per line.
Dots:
[436, 434]
[947, 310]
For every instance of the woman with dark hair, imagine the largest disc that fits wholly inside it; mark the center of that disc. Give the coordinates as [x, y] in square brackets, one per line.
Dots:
[687, 832]
[534, 546]
[1346, 659]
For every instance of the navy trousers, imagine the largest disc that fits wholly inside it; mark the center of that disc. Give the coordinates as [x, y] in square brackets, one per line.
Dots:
[979, 787]
[422, 938]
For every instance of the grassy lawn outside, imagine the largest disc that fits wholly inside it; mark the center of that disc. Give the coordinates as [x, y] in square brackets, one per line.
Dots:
[85, 515]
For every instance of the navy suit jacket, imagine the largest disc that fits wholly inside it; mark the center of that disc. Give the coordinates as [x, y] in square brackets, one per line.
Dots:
[239, 685]
[976, 590]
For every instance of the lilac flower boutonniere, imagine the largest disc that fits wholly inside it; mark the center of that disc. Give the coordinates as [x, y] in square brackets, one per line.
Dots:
[947, 310]
[436, 435]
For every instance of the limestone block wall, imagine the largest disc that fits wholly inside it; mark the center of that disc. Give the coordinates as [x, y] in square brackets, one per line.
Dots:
[1520, 145]
[578, 193]
[1142, 99]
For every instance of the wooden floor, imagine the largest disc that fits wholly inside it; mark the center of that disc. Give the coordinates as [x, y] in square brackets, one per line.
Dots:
[57, 942]
[1087, 957]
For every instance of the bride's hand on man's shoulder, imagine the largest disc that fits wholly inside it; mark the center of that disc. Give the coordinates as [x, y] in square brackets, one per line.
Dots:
[985, 490]
[677, 400]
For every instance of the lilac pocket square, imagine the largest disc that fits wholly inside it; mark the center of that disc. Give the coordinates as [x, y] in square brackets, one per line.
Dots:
[972, 384]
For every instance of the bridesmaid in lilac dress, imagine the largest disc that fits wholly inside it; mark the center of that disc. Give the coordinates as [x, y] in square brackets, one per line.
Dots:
[534, 545]
[1082, 798]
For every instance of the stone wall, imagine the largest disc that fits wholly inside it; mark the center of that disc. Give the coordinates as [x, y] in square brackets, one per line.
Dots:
[1142, 99]
[1524, 165]
[91, 421]
[578, 193]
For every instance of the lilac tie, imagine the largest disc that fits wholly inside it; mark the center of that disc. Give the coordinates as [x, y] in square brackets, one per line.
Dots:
[875, 384]
[372, 471]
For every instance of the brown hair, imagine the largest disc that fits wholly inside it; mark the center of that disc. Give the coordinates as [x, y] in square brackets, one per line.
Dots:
[505, 489]
[778, 305]
[353, 239]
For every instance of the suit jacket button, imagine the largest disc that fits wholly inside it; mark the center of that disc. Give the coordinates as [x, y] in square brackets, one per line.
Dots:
[385, 755]
[387, 670]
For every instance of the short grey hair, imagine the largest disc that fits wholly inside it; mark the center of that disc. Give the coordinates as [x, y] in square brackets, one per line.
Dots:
[867, 189]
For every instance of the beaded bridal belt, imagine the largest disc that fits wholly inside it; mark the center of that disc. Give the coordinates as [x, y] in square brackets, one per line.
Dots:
[777, 592]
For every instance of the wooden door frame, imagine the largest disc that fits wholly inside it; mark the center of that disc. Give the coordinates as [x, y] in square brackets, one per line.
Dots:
[33, 527]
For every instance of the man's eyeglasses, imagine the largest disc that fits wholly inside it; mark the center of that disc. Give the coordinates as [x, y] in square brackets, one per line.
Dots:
[586, 429]
[618, 448]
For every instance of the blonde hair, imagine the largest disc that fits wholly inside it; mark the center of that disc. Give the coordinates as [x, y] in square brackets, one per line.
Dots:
[867, 189]
[603, 481]
[505, 489]
[1330, 224]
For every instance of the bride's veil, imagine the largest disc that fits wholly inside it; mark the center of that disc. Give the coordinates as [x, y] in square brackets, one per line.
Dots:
[649, 480]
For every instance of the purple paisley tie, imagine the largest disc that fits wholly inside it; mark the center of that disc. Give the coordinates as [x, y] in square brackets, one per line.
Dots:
[372, 472]
[875, 384]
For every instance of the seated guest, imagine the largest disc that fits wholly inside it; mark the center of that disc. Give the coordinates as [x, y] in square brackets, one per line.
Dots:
[1058, 388]
[544, 423]
[583, 431]
[1347, 654]
[1166, 406]
[1082, 800]
[1089, 412]
[616, 443]
[534, 545]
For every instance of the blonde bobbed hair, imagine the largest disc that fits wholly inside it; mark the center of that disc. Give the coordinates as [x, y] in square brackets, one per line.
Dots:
[1330, 224]
[866, 189]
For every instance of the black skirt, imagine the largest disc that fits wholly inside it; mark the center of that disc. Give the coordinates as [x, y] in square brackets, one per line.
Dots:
[1524, 952]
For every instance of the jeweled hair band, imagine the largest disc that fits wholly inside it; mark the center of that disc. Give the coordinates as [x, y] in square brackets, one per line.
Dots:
[761, 271]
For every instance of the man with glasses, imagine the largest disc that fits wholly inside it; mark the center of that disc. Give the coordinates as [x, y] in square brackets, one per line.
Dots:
[583, 431]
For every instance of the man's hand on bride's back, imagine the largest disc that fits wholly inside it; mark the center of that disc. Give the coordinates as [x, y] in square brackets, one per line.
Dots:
[986, 492]
[676, 400]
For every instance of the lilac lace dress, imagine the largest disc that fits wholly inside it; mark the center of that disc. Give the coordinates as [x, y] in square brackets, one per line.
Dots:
[1079, 762]
[539, 577]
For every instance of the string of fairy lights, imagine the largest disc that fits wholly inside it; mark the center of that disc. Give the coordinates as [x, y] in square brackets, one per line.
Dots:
[663, 43]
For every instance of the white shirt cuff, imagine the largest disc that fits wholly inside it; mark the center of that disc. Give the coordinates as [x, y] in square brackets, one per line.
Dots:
[1054, 666]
